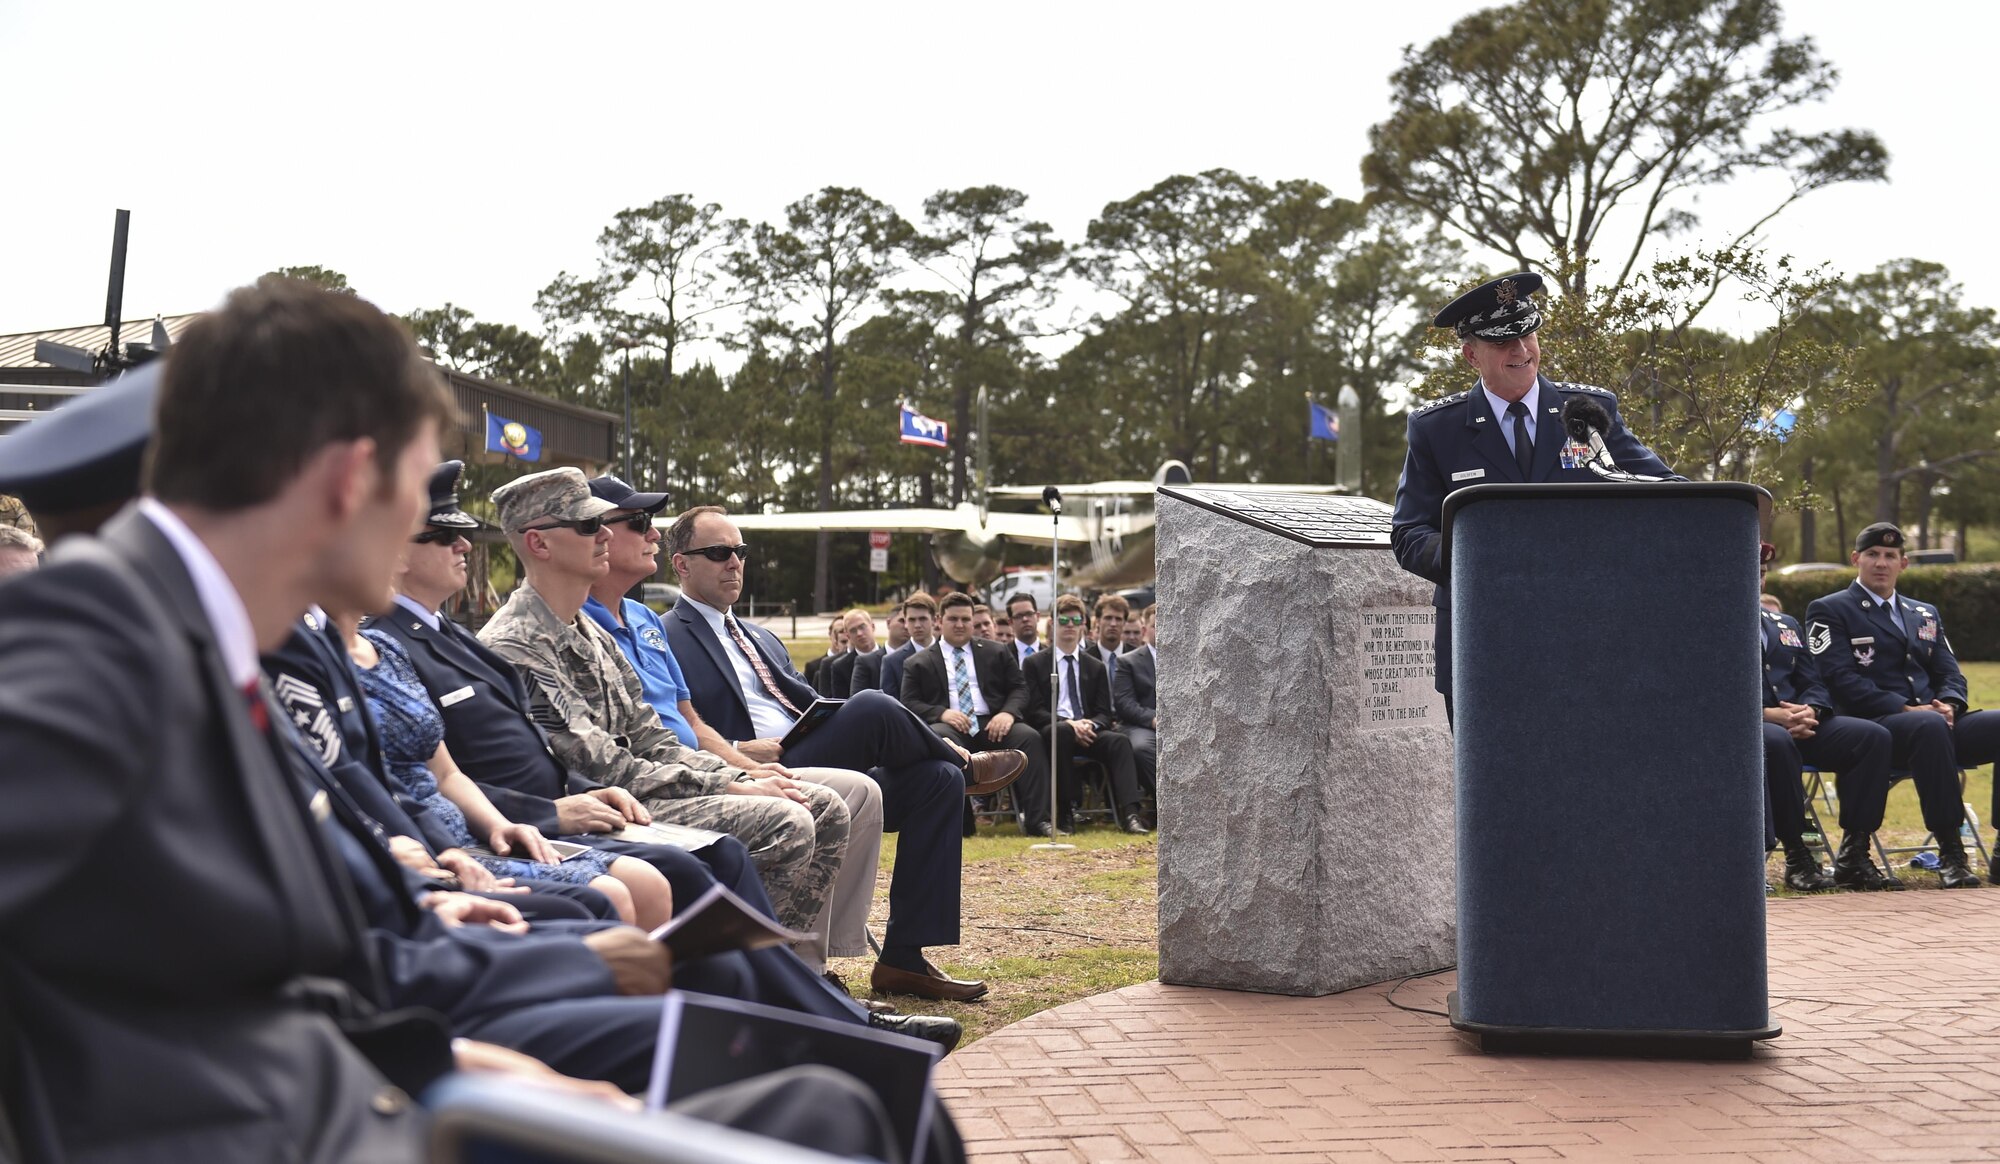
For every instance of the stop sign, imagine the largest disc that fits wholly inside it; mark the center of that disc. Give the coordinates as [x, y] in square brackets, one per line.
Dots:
[878, 539]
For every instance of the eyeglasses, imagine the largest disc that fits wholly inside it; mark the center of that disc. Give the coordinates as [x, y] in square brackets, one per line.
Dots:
[722, 553]
[437, 537]
[1069, 620]
[588, 527]
[638, 523]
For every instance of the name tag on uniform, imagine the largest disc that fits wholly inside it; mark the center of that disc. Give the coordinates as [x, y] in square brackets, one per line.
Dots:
[1862, 642]
[321, 806]
[346, 704]
[451, 697]
[1469, 475]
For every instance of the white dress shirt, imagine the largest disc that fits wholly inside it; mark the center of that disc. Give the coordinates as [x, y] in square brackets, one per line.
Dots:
[223, 606]
[767, 715]
[429, 618]
[1067, 701]
[1499, 406]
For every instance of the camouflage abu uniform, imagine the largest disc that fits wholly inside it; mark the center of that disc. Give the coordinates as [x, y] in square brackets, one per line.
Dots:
[589, 699]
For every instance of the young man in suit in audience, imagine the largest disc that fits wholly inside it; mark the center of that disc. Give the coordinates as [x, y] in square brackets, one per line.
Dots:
[919, 613]
[1134, 700]
[836, 646]
[971, 692]
[982, 622]
[866, 674]
[1109, 614]
[1022, 614]
[857, 630]
[748, 697]
[1077, 712]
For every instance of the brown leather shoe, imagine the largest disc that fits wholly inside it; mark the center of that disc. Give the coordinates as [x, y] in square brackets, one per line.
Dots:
[992, 771]
[932, 985]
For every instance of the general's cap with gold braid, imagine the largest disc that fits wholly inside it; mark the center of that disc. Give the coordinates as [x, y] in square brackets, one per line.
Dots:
[1496, 311]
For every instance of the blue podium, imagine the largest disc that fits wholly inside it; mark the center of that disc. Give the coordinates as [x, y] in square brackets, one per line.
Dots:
[1609, 767]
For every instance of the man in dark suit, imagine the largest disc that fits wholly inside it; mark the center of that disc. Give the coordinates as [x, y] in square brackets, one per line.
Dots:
[1886, 658]
[857, 630]
[1507, 428]
[747, 698]
[134, 715]
[1022, 615]
[866, 672]
[1077, 712]
[971, 692]
[1135, 700]
[1108, 629]
[919, 613]
[817, 672]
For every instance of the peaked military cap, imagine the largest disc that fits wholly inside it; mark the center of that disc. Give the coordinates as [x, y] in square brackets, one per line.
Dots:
[1499, 311]
[623, 496]
[445, 512]
[87, 452]
[1882, 533]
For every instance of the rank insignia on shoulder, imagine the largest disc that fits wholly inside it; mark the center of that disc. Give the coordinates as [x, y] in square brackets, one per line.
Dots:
[1440, 402]
[1819, 638]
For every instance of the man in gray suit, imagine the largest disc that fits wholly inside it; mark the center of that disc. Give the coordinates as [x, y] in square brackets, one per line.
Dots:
[1135, 699]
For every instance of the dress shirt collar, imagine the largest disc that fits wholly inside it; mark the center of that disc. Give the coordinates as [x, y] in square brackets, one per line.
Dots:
[220, 603]
[429, 618]
[713, 616]
[1533, 400]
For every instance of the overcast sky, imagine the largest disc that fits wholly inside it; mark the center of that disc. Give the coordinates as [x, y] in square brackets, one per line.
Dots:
[469, 152]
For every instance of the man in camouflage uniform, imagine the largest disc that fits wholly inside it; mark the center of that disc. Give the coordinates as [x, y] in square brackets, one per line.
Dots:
[600, 725]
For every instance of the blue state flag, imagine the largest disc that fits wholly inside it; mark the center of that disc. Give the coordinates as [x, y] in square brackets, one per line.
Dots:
[919, 429]
[1779, 423]
[1325, 423]
[513, 438]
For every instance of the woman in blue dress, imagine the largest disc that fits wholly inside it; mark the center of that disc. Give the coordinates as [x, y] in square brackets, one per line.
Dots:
[413, 751]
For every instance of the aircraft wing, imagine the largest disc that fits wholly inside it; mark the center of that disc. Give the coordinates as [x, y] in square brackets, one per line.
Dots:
[1027, 528]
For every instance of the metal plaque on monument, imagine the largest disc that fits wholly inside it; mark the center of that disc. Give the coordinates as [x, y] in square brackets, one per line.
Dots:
[1306, 833]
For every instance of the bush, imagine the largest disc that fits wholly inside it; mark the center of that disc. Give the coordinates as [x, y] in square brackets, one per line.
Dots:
[1967, 596]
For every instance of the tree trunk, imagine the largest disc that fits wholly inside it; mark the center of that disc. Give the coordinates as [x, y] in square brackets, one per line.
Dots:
[823, 544]
[961, 400]
[1839, 519]
[1962, 546]
[1926, 498]
[1808, 519]
[1888, 488]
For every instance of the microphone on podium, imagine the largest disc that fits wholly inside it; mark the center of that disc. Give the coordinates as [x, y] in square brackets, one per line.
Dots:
[1052, 497]
[1586, 422]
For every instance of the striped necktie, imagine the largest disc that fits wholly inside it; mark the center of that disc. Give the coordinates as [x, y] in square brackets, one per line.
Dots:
[962, 682]
[757, 664]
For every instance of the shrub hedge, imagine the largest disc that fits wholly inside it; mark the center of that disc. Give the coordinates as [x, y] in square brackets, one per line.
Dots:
[1967, 596]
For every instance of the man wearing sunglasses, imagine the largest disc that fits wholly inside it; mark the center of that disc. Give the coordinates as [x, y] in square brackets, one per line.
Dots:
[1077, 712]
[841, 929]
[598, 720]
[749, 696]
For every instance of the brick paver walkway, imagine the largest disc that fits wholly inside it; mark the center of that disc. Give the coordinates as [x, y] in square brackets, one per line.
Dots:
[1891, 1051]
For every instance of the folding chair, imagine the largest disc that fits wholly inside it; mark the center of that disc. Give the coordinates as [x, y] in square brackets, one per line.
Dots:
[1819, 793]
[1929, 843]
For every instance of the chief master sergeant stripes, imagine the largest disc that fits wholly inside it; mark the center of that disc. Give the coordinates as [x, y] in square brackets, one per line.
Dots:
[1462, 439]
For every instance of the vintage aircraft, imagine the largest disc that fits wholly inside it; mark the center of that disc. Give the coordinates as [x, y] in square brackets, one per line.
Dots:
[1105, 530]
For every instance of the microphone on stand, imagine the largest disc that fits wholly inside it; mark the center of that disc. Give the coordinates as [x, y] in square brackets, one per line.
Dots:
[1586, 422]
[1052, 497]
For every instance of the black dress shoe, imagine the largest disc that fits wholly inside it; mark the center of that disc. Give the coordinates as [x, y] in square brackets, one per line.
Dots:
[1852, 868]
[1954, 872]
[1132, 824]
[1802, 871]
[945, 1032]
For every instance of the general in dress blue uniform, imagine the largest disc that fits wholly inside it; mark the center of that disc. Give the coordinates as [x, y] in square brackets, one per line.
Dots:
[1506, 428]
[1886, 657]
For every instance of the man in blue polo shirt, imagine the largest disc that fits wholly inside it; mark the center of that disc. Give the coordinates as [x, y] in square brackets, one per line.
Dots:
[634, 554]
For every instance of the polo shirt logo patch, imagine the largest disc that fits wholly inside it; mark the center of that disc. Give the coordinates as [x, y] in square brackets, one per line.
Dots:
[652, 637]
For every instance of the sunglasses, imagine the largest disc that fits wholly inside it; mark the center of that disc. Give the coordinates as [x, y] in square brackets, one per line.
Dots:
[588, 527]
[437, 537]
[1069, 620]
[723, 553]
[638, 523]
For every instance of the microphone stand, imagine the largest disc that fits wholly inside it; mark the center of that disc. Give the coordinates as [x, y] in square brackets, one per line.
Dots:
[1052, 497]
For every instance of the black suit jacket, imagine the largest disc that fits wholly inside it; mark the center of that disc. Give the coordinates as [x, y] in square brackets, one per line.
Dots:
[1134, 691]
[927, 686]
[1090, 676]
[867, 673]
[489, 719]
[813, 669]
[837, 677]
[152, 943]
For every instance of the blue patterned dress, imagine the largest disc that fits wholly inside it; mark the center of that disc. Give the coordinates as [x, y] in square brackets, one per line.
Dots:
[412, 727]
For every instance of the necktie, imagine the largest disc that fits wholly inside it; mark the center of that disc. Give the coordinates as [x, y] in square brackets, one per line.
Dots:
[1524, 446]
[1523, 443]
[757, 664]
[1075, 701]
[1110, 664]
[962, 683]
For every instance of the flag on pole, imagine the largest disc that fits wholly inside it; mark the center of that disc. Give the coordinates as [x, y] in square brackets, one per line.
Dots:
[1325, 422]
[919, 429]
[513, 438]
[1779, 423]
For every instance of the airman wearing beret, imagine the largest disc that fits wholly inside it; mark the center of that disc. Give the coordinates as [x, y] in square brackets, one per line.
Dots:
[1885, 657]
